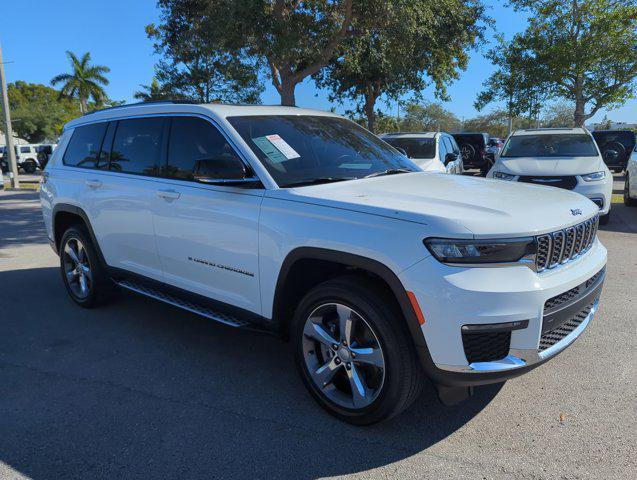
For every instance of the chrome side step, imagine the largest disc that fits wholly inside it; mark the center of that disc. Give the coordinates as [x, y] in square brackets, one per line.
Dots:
[183, 304]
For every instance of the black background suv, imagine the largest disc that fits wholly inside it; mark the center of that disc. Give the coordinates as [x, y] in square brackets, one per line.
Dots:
[473, 148]
[615, 147]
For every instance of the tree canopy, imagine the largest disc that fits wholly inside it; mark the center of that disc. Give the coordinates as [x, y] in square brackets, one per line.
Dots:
[287, 40]
[398, 47]
[586, 49]
[37, 112]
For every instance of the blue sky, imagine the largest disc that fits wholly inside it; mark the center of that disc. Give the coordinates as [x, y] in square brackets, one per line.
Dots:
[113, 32]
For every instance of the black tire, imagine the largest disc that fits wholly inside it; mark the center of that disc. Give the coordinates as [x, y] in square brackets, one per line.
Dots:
[29, 166]
[604, 219]
[99, 287]
[403, 377]
[629, 202]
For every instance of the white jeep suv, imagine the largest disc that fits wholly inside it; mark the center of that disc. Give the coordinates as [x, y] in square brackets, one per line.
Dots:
[302, 222]
[565, 158]
[431, 151]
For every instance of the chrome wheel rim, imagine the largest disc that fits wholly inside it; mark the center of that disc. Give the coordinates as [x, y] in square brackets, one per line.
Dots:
[343, 356]
[77, 268]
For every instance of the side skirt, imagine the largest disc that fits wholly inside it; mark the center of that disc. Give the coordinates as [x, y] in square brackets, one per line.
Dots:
[206, 307]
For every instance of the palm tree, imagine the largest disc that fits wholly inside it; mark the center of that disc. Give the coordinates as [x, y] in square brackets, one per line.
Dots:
[86, 81]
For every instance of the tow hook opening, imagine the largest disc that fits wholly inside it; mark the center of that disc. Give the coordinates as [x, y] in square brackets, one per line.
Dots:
[453, 395]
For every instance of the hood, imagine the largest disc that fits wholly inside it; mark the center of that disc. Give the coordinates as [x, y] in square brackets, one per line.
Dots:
[550, 166]
[453, 204]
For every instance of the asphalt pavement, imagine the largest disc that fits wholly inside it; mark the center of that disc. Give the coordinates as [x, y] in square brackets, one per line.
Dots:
[139, 389]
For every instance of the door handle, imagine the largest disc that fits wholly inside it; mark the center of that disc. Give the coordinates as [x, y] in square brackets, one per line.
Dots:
[94, 183]
[168, 194]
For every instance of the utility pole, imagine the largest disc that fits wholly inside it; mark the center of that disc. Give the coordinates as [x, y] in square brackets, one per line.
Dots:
[9, 149]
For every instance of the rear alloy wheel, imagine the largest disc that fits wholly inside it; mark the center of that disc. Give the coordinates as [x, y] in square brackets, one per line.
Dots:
[82, 273]
[629, 202]
[353, 351]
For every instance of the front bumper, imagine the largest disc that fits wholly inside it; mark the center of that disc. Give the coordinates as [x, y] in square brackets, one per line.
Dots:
[453, 297]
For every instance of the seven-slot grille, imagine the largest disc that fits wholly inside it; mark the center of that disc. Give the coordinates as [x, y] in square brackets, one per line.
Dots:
[559, 247]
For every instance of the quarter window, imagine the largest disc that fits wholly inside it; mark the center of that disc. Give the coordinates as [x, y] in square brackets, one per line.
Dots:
[193, 141]
[84, 146]
[137, 146]
[25, 150]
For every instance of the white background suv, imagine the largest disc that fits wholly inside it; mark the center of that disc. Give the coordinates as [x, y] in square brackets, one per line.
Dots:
[304, 223]
[431, 151]
[565, 158]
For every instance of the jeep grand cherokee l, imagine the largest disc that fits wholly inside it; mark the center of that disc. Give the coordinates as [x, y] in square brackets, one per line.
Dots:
[302, 222]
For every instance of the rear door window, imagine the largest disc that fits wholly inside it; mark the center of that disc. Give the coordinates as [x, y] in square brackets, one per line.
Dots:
[193, 140]
[137, 146]
[84, 146]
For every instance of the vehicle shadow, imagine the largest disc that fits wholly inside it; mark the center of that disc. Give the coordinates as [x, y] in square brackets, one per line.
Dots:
[622, 219]
[140, 389]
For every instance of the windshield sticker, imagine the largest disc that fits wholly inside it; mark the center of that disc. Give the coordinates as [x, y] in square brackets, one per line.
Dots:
[270, 150]
[283, 146]
[356, 166]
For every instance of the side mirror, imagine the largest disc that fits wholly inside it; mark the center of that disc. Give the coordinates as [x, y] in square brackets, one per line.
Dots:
[222, 171]
[402, 150]
[450, 157]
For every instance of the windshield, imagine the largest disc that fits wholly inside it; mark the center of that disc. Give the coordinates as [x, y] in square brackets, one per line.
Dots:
[304, 149]
[559, 145]
[415, 147]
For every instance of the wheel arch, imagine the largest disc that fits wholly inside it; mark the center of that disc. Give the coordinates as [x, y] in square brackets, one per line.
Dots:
[291, 285]
[64, 216]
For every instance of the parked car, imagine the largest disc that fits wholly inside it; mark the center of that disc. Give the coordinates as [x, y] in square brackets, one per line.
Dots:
[303, 223]
[616, 147]
[45, 151]
[494, 146]
[431, 151]
[630, 185]
[474, 151]
[566, 158]
[25, 156]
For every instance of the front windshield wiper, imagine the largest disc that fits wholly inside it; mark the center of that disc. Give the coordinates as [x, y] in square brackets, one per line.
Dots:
[389, 171]
[316, 181]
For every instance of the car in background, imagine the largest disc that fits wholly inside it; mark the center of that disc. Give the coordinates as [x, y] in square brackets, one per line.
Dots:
[26, 156]
[566, 158]
[495, 145]
[45, 151]
[431, 151]
[616, 147]
[630, 185]
[474, 151]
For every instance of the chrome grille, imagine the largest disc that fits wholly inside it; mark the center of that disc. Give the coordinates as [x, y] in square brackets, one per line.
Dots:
[562, 246]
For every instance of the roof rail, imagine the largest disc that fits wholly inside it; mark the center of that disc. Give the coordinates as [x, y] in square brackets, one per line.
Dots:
[137, 104]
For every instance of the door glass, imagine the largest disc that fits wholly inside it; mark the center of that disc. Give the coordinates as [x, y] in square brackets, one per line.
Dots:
[137, 146]
[192, 141]
[84, 146]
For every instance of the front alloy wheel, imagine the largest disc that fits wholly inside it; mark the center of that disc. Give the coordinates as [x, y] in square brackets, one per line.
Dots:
[343, 356]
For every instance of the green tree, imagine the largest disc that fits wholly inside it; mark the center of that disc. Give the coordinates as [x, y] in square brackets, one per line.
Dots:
[398, 47]
[429, 117]
[152, 93]
[85, 82]
[559, 114]
[194, 69]
[586, 48]
[496, 123]
[517, 82]
[37, 112]
[288, 40]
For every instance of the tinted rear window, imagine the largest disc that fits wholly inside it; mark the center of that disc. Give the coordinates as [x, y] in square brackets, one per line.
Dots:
[84, 145]
[415, 147]
[562, 145]
[137, 146]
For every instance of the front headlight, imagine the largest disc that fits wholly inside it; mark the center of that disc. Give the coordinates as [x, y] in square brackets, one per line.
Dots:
[591, 177]
[453, 251]
[503, 176]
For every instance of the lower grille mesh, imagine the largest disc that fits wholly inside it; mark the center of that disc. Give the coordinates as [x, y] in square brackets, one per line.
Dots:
[558, 334]
[486, 347]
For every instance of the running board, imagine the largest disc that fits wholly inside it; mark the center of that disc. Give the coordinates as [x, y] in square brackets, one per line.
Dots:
[183, 304]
